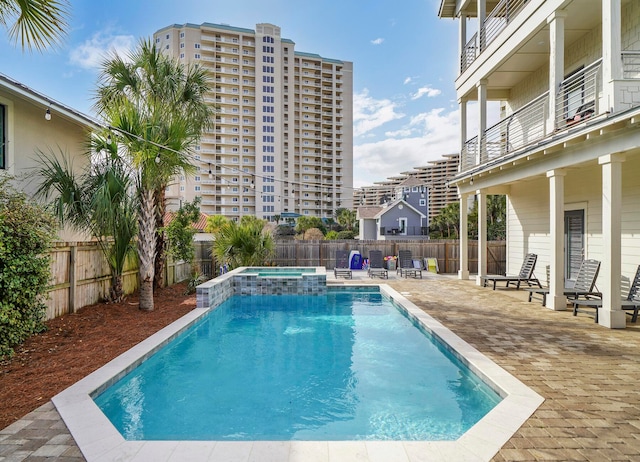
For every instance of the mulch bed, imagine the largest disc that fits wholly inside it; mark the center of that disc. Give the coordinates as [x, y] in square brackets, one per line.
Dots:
[77, 344]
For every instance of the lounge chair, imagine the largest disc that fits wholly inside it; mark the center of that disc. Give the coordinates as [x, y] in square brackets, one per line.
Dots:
[406, 267]
[376, 265]
[631, 304]
[525, 275]
[582, 287]
[342, 265]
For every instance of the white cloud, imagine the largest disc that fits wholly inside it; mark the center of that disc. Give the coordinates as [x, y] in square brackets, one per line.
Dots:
[369, 113]
[435, 132]
[91, 53]
[426, 91]
[430, 135]
[403, 133]
[377, 41]
[407, 80]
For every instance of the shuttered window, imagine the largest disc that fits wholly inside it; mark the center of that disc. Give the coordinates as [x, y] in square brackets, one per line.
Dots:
[573, 242]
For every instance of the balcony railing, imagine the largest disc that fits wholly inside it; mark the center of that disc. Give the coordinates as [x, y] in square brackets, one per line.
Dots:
[578, 96]
[522, 128]
[494, 23]
[631, 64]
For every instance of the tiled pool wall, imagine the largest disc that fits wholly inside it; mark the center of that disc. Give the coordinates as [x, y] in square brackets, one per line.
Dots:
[237, 282]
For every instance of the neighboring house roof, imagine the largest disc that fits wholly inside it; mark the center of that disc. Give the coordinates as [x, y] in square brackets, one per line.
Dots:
[395, 204]
[198, 225]
[368, 211]
[412, 181]
[17, 88]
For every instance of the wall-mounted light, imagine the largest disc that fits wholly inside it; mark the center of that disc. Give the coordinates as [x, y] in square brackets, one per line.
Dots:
[47, 114]
[158, 159]
[471, 181]
[109, 138]
[210, 174]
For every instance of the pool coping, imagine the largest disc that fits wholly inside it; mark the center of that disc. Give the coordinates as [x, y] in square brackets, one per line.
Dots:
[99, 440]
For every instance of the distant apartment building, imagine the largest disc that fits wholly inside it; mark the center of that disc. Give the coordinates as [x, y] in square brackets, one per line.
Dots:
[282, 139]
[432, 181]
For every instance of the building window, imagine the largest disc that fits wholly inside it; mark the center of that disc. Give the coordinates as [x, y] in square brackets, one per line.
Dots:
[423, 202]
[182, 45]
[197, 56]
[196, 188]
[197, 45]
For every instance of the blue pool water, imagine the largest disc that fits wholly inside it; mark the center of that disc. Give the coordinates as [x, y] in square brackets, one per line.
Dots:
[345, 366]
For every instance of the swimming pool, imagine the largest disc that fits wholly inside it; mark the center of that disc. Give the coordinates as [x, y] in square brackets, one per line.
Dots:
[99, 440]
[347, 365]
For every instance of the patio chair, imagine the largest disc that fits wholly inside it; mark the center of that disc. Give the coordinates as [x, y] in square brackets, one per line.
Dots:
[631, 304]
[376, 265]
[525, 275]
[582, 287]
[406, 267]
[342, 265]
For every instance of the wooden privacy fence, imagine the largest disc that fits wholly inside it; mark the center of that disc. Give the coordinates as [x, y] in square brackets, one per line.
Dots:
[80, 274]
[447, 252]
[81, 277]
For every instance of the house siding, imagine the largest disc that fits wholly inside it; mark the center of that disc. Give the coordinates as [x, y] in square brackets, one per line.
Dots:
[584, 51]
[528, 217]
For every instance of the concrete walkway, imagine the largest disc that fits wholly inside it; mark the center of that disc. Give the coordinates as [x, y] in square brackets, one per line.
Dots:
[589, 375]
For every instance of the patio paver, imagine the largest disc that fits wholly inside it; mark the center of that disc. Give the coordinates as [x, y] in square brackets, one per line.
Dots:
[587, 374]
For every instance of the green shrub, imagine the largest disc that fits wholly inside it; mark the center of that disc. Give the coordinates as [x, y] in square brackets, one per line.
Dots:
[346, 235]
[26, 232]
[331, 235]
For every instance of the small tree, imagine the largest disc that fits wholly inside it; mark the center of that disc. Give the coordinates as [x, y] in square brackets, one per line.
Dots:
[313, 234]
[305, 223]
[26, 232]
[180, 231]
[246, 244]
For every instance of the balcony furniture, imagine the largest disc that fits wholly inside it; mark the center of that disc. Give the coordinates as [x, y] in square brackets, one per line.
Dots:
[525, 275]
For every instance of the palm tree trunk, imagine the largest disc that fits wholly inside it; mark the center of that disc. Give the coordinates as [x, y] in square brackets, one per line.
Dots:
[160, 258]
[117, 292]
[146, 248]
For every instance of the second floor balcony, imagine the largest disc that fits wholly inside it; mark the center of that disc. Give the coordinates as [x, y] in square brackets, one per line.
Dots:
[579, 101]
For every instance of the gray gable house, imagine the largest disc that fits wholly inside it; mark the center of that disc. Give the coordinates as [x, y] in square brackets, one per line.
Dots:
[399, 217]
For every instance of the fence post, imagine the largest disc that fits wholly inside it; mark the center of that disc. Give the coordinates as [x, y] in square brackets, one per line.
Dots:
[446, 257]
[72, 277]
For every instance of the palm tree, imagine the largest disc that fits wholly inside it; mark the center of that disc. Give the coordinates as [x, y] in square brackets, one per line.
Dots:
[157, 107]
[246, 244]
[346, 218]
[38, 23]
[97, 201]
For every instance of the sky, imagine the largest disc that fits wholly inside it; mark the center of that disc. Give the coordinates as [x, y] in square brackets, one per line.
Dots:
[404, 59]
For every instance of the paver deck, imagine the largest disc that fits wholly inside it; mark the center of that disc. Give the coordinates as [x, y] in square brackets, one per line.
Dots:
[587, 374]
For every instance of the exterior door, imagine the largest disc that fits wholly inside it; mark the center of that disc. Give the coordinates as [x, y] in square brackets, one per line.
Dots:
[573, 243]
[402, 224]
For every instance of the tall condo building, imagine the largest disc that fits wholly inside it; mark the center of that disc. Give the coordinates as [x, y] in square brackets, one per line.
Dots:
[282, 138]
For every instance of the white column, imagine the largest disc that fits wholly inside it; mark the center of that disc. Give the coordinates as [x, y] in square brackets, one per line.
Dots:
[462, 39]
[611, 51]
[610, 314]
[556, 300]
[463, 134]
[482, 14]
[463, 272]
[482, 119]
[482, 236]
[556, 63]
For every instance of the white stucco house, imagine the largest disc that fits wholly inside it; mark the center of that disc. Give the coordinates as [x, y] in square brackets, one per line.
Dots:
[566, 151]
